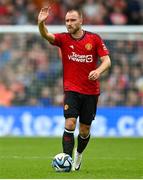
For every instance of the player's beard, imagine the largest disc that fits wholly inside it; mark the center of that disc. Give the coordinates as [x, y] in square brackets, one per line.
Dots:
[73, 30]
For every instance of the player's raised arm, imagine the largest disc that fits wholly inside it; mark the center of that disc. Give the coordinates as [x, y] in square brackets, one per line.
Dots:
[43, 15]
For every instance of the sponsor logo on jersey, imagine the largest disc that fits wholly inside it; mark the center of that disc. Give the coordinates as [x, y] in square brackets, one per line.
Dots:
[81, 58]
[88, 46]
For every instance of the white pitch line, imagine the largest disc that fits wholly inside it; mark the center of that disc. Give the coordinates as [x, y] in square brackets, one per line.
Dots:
[112, 158]
[25, 157]
[50, 157]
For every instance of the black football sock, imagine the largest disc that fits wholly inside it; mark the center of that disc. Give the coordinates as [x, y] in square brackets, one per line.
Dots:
[68, 141]
[82, 143]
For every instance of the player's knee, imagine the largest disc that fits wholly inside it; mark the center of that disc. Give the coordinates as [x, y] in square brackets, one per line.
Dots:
[70, 123]
[84, 131]
[84, 134]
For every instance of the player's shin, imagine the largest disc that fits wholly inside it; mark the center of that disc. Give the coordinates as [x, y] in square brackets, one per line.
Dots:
[82, 143]
[68, 141]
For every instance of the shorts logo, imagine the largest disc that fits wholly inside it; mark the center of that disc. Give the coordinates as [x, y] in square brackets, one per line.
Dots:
[66, 107]
[88, 46]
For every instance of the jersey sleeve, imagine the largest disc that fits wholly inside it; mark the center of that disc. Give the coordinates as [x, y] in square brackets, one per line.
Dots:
[101, 47]
[58, 40]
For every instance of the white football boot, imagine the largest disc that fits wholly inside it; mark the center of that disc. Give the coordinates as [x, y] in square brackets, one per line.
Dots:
[77, 161]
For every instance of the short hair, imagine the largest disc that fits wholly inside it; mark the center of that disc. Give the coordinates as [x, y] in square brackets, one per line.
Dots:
[76, 10]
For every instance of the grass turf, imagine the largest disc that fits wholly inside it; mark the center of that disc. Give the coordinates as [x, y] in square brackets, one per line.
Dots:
[110, 158]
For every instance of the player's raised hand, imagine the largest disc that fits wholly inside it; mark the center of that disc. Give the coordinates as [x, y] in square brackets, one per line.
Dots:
[43, 15]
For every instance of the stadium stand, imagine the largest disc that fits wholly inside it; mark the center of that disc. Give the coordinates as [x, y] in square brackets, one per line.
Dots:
[30, 68]
[96, 12]
[31, 72]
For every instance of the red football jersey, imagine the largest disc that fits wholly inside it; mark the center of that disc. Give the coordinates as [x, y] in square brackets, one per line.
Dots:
[79, 57]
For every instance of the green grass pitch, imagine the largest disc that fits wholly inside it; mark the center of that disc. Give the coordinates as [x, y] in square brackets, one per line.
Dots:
[104, 158]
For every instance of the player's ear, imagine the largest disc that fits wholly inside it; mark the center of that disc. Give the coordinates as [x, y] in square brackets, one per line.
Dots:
[81, 21]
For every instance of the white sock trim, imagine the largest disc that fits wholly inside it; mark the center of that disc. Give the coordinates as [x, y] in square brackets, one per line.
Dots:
[84, 137]
[69, 131]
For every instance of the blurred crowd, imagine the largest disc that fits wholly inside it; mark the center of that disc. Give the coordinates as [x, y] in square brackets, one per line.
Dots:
[96, 12]
[124, 84]
[31, 72]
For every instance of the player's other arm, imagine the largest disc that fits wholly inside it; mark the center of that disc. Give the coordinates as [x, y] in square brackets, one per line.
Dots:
[43, 15]
[105, 64]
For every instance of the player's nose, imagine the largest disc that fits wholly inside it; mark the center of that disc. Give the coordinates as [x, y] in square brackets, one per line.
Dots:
[68, 23]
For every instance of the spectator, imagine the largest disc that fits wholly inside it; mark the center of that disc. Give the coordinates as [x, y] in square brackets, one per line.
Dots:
[45, 99]
[92, 10]
[117, 15]
[115, 12]
[6, 95]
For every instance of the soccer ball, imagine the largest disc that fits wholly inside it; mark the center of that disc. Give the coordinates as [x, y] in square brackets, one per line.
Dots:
[62, 162]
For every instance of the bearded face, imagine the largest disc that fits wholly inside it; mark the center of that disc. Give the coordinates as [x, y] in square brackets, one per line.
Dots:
[73, 22]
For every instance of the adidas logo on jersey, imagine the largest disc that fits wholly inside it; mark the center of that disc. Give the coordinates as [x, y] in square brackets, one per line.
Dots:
[72, 46]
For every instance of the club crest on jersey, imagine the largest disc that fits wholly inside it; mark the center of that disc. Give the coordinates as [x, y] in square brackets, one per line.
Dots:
[88, 46]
